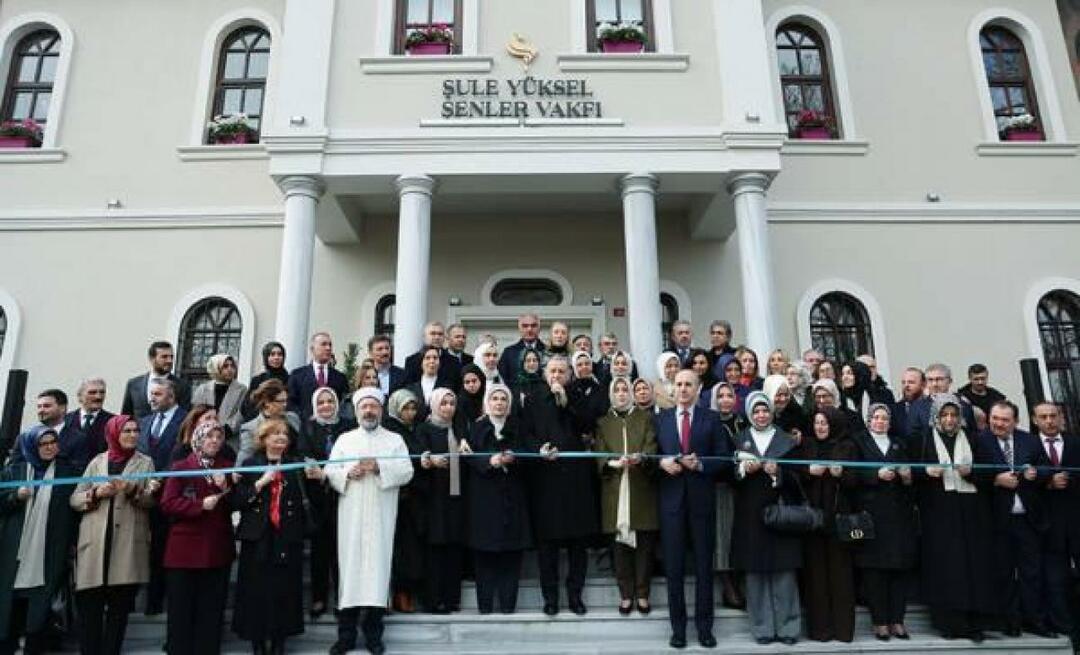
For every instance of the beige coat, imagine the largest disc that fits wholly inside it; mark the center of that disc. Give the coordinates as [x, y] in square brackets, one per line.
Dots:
[129, 561]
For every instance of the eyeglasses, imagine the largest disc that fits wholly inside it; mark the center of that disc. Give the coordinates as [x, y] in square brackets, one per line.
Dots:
[46, 444]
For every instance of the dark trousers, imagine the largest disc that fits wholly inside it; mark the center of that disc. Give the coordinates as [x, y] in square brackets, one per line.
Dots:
[676, 531]
[1019, 566]
[1057, 583]
[323, 561]
[547, 555]
[35, 642]
[497, 574]
[371, 624]
[886, 592]
[103, 617]
[444, 574]
[196, 610]
[155, 589]
[633, 566]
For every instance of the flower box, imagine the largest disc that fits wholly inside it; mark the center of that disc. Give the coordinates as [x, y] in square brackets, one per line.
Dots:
[431, 48]
[19, 142]
[234, 139]
[821, 133]
[1024, 135]
[621, 47]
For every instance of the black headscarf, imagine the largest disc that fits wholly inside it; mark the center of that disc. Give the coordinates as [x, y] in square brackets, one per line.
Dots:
[471, 405]
[269, 372]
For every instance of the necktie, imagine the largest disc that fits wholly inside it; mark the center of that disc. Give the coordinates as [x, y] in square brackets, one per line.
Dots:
[159, 421]
[1055, 459]
[1007, 449]
[87, 420]
[321, 377]
[684, 432]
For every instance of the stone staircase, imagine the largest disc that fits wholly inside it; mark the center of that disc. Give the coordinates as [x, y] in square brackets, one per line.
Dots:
[602, 631]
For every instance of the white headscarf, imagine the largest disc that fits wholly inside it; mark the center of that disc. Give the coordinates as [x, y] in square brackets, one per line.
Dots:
[478, 358]
[581, 354]
[436, 400]
[315, 403]
[827, 385]
[661, 361]
[491, 390]
[771, 386]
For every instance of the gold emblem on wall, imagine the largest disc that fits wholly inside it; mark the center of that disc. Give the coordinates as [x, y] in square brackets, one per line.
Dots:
[519, 47]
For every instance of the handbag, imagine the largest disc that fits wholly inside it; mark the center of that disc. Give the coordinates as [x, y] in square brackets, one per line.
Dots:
[792, 518]
[852, 526]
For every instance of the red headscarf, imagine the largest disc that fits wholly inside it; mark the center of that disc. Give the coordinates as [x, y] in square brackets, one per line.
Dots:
[117, 454]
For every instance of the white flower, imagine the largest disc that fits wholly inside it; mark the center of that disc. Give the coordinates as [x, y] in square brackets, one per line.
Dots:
[1019, 121]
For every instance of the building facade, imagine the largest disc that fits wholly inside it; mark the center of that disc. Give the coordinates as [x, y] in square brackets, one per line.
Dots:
[528, 168]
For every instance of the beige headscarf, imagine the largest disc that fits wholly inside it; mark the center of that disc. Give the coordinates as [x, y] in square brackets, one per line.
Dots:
[216, 363]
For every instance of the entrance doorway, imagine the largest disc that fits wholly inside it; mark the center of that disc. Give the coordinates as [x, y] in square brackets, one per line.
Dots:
[501, 322]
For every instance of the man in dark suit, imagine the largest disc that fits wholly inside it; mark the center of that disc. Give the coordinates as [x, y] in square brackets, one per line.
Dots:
[51, 406]
[391, 378]
[1019, 517]
[449, 366]
[681, 340]
[90, 418]
[529, 329]
[137, 393]
[1062, 498]
[456, 338]
[303, 381]
[690, 440]
[158, 431]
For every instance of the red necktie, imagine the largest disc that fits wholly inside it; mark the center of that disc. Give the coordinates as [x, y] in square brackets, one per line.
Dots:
[1054, 459]
[321, 377]
[684, 432]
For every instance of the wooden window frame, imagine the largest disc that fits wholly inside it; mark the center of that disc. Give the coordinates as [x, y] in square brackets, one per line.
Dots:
[381, 326]
[838, 332]
[1053, 330]
[222, 84]
[188, 333]
[401, 26]
[648, 22]
[13, 86]
[824, 80]
[1027, 82]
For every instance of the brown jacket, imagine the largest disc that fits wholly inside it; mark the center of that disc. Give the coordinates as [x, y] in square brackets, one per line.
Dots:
[129, 554]
[640, 438]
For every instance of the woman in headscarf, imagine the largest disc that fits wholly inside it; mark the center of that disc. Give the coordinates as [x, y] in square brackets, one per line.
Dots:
[667, 365]
[723, 401]
[442, 439]
[823, 393]
[408, 564]
[198, 415]
[559, 344]
[828, 572]
[499, 527]
[272, 399]
[222, 391]
[471, 398]
[269, 580]
[778, 363]
[112, 557]
[886, 560]
[588, 400]
[316, 442]
[955, 517]
[429, 381]
[273, 357]
[770, 559]
[798, 379]
[622, 365]
[643, 395]
[628, 493]
[199, 550]
[698, 362]
[731, 372]
[36, 530]
[486, 357]
[751, 377]
[789, 417]
[855, 399]
[530, 377]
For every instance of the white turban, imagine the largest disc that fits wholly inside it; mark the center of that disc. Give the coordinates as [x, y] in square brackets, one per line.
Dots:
[367, 392]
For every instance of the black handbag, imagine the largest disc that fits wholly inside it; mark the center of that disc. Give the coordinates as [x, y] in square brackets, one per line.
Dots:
[854, 527]
[793, 518]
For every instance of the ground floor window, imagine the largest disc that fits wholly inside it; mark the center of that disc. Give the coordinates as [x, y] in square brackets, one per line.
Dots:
[1059, 331]
[211, 326]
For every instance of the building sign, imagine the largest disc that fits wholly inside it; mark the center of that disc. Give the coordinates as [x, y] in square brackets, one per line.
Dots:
[522, 98]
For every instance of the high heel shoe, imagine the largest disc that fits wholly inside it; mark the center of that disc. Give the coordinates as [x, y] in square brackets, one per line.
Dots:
[643, 606]
[625, 607]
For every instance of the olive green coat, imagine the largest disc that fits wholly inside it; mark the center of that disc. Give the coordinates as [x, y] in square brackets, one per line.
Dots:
[640, 438]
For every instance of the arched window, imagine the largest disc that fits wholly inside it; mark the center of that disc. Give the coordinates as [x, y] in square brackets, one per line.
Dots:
[526, 292]
[211, 326]
[633, 12]
[805, 82]
[384, 315]
[3, 329]
[1059, 331]
[30, 78]
[669, 313]
[1008, 75]
[420, 15]
[243, 64]
[840, 327]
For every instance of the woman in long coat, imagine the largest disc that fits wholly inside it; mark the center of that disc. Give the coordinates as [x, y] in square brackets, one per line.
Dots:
[112, 557]
[770, 559]
[409, 561]
[723, 400]
[222, 391]
[269, 585]
[498, 517]
[957, 525]
[36, 529]
[443, 480]
[628, 493]
[886, 560]
[828, 570]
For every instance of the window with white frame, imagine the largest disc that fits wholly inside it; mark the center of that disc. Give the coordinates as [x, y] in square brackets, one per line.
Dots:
[1058, 317]
[240, 84]
[1012, 88]
[29, 88]
[840, 327]
[211, 326]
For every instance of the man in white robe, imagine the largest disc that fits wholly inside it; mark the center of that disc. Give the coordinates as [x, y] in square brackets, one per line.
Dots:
[372, 465]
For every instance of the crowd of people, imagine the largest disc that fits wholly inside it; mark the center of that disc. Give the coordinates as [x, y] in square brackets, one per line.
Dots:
[804, 486]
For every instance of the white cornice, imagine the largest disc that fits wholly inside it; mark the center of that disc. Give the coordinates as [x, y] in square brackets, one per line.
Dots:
[33, 220]
[958, 212]
[605, 62]
[32, 155]
[420, 65]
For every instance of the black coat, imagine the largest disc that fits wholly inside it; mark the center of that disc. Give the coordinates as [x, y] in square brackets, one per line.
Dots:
[449, 369]
[510, 359]
[60, 532]
[422, 409]
[1026, 451]
[589, 401]
[95, 436]
[254, 506]
[498, 501]
[755, 548]
[1063, 505]
[892, 505]
[445, 513]
[411, 524]
[563, 496]
[136, 402]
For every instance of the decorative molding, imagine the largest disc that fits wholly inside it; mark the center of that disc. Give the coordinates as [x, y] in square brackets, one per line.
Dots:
[632, 62]
[32, 155]
[222, 152]
[366, 320]
[18, 27]
[8, 358]
[873, 311]
[1038, 61]
[420, 65]
[825, 147]
[247, 321]
[14, 220]
[1031, 319]
[1028, 149]
[901, 213]
[527, 273]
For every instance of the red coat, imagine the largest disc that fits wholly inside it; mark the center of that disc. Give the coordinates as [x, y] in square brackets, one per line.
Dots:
[197, 539]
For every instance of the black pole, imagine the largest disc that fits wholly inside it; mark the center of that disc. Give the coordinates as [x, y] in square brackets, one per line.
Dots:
[11, 418]
[1033, 386]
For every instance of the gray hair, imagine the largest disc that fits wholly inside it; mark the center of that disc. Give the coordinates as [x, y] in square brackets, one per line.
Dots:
[88, 382]
[680, 323]
[164, 382]
[940, 368]
[454, 326]
[720, 323]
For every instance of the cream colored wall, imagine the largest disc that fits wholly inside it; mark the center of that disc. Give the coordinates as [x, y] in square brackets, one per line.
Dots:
[130, 103]
[914, 95]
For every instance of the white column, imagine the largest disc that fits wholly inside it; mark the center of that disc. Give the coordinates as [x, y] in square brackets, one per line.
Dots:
[642, 267]
[297, 255]
[752, 229]
[413, 263]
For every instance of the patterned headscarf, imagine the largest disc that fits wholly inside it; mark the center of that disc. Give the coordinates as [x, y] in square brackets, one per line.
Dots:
[398, 400]
[201, 433]
[940, 401]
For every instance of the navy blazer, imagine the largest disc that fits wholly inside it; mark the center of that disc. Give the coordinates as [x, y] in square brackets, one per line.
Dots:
[136, 402]
[302, 385]
[161, 453]
[693, 491]
[397, 379]
[1026, 451]
[1063, 505]
[95, 436]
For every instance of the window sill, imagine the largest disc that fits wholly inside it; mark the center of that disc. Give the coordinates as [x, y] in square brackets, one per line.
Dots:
[222, 152]
[1028, 149]
[31, 155]
[824, 147]
[638, 61]
[407, 64]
